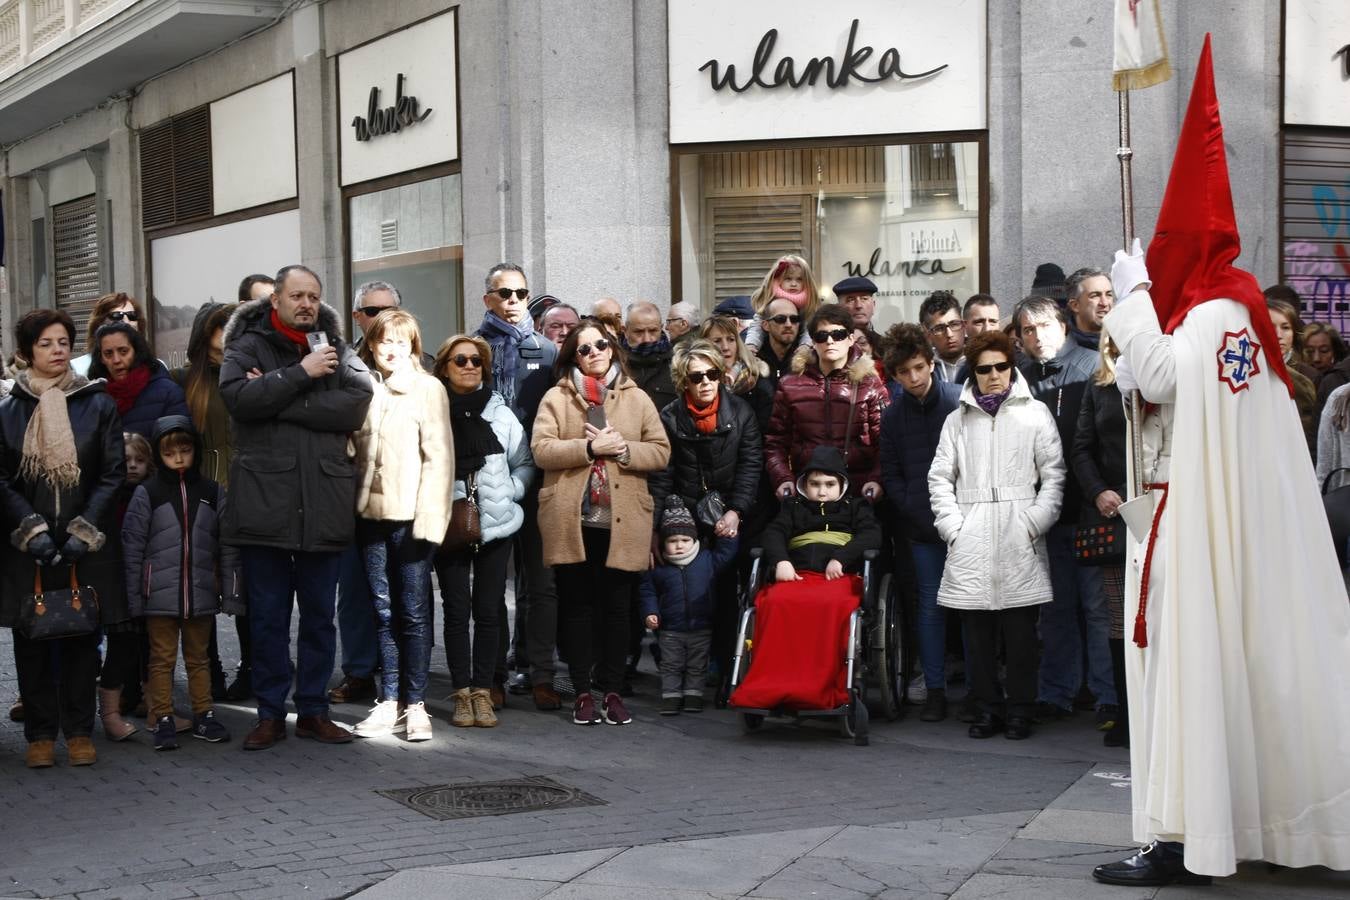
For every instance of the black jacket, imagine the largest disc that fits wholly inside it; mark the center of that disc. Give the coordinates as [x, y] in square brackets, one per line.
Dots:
[87, 510]
[910, 430]
[652, 374]
[798, 515]
[1097, 455]
[730, 460]
[534, 375]
[1059, 383]
[292, 485]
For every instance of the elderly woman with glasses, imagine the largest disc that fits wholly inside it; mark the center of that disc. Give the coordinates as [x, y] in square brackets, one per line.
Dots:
[832, 398]
[597, 437]
[996, 485]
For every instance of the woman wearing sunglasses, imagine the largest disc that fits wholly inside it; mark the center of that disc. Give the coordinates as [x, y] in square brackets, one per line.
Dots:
[832, 398]
[596, 438]
[405, 465]
[118, 307]
[493, 465]
[996, 484]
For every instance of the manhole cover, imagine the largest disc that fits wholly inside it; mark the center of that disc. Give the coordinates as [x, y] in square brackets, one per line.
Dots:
[491, 798]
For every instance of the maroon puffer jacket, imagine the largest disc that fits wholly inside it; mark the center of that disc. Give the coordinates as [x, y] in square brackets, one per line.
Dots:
[810, 409]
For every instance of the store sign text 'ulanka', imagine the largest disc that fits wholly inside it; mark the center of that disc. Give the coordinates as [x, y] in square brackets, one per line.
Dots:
[391, 119]
[836, 73]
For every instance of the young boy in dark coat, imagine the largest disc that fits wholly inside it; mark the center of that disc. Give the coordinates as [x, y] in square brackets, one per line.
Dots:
[678, 597]
[177, 575]
[822, 529]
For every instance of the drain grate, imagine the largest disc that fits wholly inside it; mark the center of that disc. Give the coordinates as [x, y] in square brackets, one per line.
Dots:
[491, 798]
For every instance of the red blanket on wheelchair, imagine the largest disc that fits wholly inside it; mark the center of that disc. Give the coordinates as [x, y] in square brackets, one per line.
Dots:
[800, 644]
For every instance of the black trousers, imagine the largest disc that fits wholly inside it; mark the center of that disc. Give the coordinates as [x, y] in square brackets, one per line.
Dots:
[593, 613]
[123, 663]
[1017, 695]
[56, 682]
[473, 585]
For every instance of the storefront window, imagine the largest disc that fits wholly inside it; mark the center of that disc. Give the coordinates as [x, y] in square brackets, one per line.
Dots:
[905, 215]
[412, 236]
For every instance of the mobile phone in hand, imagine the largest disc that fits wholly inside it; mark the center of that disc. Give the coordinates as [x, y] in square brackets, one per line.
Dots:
[595, 415]
[317, 340]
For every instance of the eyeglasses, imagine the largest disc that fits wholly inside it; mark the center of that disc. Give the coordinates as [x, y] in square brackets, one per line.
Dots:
[371, 312]
[709, 375]
[784, 318]
[838, 335]
[470, 362]
[990, 367]
[128, 315]
[505, 293]
[599, 346]
[944, 327]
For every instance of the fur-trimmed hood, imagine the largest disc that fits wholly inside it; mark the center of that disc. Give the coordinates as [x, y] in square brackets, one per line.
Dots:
[860, 364]
[255, 314]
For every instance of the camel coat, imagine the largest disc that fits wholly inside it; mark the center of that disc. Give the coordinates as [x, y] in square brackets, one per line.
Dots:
[559, 448]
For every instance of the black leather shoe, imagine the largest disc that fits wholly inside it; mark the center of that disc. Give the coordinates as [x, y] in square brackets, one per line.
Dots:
[1019, 729]
[986, 726]
[1155, 865]
[934, 706]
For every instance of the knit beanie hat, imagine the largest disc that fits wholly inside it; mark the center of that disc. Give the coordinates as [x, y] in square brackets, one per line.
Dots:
[676, 519]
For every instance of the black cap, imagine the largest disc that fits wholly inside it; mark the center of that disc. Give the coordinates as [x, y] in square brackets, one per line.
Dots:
[1049, 281]
[541, 304]
[855, 285]
[738, 306]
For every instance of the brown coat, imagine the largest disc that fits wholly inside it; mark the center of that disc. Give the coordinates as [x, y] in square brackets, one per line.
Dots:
[559, 448]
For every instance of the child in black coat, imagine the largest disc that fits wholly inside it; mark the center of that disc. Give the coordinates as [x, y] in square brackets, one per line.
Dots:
[822, 529]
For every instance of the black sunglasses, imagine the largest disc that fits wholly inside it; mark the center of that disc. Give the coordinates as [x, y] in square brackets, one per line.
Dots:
[700, 377]
[838, 335]
[989, 367]
[372, 311]
[473, 362]
[599, 346]
[505, 293]
[784, 318]
[129, 315]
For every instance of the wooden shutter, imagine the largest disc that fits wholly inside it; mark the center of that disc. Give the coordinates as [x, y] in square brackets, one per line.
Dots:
[176, 170]
[745, 235]
[75, 247]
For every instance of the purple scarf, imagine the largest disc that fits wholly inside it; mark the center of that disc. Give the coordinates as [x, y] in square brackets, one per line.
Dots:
[991, 402]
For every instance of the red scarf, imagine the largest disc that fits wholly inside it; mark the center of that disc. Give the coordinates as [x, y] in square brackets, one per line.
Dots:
[125, 391]
[593, 390]
[294, 336]
[705, 420]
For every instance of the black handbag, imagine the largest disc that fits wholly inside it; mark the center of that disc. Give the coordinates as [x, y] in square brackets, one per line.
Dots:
[66, 612]
[1337, 505]
[1100, 544]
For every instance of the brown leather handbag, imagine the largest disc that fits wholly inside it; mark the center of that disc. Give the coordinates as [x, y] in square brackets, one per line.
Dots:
[466, 529]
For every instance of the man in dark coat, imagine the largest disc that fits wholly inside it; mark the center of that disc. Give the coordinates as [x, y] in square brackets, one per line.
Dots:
[649, 353]
[1057, 370]
[292, 490]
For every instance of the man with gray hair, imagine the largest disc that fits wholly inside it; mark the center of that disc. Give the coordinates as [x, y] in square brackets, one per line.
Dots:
[1090, 299]
[649, 352]
[681, 320]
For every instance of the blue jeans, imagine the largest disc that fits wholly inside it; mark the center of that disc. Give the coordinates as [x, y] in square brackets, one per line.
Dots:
[397, 568]
[929, 560]
[356, 624]
[1075, 588]
[271, 578]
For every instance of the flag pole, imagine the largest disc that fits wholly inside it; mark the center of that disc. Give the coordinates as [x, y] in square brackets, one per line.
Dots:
[1125, 154]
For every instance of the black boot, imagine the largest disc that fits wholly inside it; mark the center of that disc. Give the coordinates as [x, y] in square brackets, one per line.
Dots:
[1154, 865]
[1119, 735]
[218, 689]
[242, 686]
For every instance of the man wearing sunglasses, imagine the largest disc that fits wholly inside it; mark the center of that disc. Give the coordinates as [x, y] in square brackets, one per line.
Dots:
[522, 372]
[371, 299]
[782, 323]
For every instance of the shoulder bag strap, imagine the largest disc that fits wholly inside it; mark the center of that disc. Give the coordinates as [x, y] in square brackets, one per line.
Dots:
[852, 408]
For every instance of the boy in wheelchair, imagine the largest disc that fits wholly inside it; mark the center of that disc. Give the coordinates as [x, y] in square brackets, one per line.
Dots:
[822, 529]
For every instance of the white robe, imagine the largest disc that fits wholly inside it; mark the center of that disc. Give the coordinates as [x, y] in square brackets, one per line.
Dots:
[1240, 704]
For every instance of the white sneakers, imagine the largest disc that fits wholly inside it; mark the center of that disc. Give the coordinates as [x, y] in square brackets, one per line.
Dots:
[418, 722]
[385, 718]
[918, 691]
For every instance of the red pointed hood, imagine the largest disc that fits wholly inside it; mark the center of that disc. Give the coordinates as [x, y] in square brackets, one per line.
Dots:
[1190, 258]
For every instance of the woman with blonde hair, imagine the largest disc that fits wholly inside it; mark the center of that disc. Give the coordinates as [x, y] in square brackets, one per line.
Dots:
[405, 468]
[744, 373]
[493, 468]
[791, 279]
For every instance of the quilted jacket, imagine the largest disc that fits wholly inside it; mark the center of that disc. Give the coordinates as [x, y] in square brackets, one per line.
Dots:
[811, 409]
[996, 483]
[729, 460]
[504, 476]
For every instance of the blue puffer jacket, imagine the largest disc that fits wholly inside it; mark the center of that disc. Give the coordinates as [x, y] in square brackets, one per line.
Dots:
[504, 476]
[683, 595]
[160, 397]
[910, 431]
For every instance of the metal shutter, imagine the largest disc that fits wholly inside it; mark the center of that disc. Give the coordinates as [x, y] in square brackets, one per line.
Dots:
[1315, 223]
[747, 234]
[75, 248]
[176, 170]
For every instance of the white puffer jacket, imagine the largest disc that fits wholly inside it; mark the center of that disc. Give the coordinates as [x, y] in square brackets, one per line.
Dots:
[504, 476]
[996, 485]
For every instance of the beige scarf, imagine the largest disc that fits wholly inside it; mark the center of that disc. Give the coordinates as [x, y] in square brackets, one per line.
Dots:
[48, 443]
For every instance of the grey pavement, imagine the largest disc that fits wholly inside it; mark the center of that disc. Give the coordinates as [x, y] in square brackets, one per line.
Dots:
[691, 807]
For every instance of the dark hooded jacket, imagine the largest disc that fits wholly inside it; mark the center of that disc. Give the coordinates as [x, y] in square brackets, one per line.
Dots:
[910, 431]
[652, 374]
[175, 564]
[1059, 383]
[685, 597]
[730, 460]
[292, 484]
[87, 510]
[798, 516]
[214, 427]
[160, 397]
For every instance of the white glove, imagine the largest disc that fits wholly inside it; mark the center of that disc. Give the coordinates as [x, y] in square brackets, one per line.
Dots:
[1125, 376]
[1128, 272]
